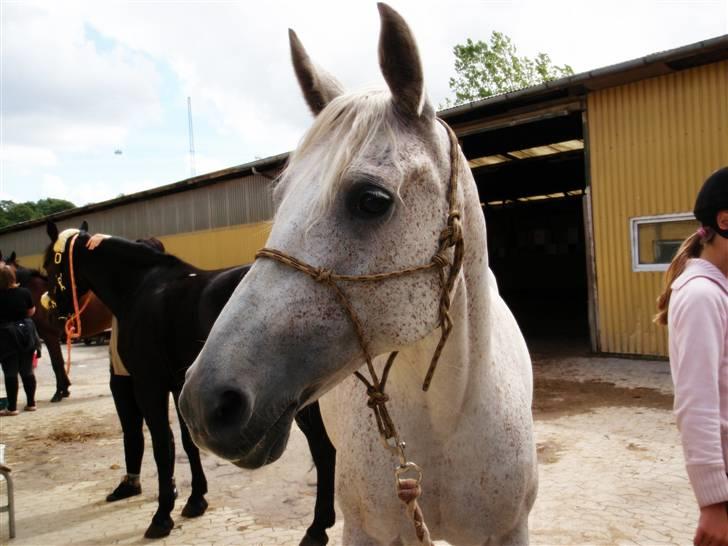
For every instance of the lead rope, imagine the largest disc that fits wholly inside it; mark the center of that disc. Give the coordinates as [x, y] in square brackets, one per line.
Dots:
[73, 331]
[408, 489]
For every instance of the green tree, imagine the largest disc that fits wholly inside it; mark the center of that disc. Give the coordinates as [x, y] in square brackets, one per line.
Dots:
[51, 206]
[21, 212]
[486, 69]
[4, 206]
[13, 213]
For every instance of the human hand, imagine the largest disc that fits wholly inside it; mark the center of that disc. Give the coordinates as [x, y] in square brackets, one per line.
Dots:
[96, 240]
[712, 526]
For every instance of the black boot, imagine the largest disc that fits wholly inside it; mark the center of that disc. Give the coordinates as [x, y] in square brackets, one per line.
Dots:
[124, 490]
[60, 395]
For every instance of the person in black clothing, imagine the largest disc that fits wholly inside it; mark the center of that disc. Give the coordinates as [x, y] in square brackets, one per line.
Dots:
[18, 340]
[131, 420]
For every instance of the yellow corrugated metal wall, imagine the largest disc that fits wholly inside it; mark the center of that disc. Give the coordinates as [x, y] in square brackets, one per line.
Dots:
[651, 145]
[34, 261]
[208, 249]
[218, 248]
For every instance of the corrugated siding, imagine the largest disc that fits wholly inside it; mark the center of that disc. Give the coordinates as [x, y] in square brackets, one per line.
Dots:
[652, 144]
[210, 249]
[218, 248]
[231, 203]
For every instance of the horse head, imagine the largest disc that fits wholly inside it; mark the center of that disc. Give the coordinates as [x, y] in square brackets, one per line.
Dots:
[365, 192]
[56, 263]
[11, 261]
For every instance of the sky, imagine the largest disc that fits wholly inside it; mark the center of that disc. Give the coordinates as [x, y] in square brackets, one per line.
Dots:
[93, 95]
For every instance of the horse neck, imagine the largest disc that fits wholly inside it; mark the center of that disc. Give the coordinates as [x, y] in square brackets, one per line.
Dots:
[96, 317]
[113, 281]
[458, 377]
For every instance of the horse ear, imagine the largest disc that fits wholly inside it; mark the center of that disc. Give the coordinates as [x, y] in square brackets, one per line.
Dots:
[318, 86]
[13, 258]
[400, 63]
[52, 231]
[84, 226]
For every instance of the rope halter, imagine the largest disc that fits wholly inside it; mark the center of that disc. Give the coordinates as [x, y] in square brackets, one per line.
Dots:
[72, 325]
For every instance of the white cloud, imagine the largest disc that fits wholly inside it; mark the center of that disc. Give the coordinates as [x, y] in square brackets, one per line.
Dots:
[54, 186]
[60, 92]
[27, 156]
[84, 193]
[206, 164]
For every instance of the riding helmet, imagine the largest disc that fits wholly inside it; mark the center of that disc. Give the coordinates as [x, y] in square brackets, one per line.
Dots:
[713, 198]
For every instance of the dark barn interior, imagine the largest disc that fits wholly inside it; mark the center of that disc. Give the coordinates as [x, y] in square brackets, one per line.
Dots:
[531, 180]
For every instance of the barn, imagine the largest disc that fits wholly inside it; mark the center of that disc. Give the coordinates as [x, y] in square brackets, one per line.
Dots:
[587, 185]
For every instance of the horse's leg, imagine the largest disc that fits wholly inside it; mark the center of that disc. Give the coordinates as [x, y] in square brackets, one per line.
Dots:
[519, 534]
[196, 503]
[155, 407]
[324, 457]
[517, 537]
[355, 536]
[53, 346]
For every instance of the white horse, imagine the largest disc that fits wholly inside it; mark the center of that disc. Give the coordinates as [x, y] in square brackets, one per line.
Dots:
[367, 192]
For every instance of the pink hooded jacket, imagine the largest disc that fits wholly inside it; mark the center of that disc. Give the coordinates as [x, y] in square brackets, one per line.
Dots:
[698, 325]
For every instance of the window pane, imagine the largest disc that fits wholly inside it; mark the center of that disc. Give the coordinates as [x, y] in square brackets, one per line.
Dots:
[659, 241]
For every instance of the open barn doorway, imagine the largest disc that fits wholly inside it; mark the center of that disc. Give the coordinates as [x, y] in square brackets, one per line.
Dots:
[531, 179]
[537, 254]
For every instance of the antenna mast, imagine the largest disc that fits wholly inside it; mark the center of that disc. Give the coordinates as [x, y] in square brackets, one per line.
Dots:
[192, 137]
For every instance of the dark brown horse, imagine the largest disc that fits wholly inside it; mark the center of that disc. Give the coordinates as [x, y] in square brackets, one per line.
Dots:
[165, 309]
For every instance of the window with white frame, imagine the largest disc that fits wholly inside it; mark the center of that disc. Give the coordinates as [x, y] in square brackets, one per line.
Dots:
[655, 239]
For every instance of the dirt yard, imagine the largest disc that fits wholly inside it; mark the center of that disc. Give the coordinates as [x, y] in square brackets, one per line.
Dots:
[611, 466]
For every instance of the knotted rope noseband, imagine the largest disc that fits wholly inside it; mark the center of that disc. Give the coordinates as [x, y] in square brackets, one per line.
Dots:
[450, 237]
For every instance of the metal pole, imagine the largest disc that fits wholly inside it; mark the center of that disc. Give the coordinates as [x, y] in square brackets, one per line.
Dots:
[192, 137]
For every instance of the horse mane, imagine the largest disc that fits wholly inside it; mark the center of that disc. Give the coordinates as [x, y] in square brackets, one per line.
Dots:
[355, 122]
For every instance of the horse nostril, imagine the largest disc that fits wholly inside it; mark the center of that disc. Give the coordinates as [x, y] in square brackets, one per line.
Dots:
[229, 410]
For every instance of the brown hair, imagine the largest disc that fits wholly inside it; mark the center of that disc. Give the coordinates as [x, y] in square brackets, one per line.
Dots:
[7, 278]
[691, 248]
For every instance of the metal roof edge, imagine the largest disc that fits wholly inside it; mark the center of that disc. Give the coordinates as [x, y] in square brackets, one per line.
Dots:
[159, 191]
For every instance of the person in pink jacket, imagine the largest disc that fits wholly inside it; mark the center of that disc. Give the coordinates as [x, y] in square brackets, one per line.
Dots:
[694, 306]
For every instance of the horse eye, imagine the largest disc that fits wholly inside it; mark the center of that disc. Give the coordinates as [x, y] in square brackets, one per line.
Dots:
[368, 201]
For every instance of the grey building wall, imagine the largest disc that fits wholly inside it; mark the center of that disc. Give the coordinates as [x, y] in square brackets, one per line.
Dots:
[238, 201]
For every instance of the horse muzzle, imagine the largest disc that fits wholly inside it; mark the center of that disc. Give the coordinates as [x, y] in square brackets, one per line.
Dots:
[223, 421]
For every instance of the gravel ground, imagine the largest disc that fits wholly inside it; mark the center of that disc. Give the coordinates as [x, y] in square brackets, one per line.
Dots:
[611, 466]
